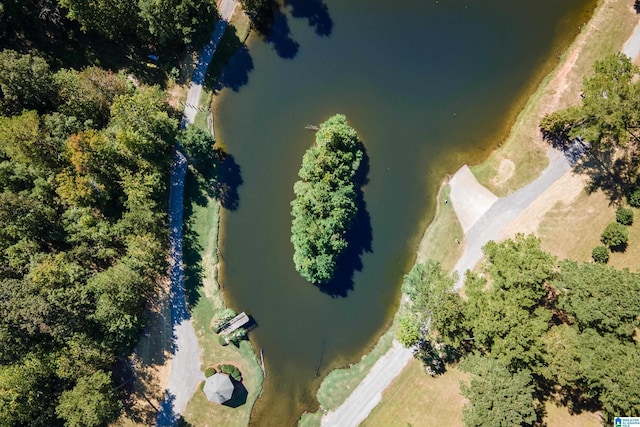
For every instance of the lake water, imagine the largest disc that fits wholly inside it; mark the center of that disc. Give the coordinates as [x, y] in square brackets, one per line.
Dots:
[428, 85]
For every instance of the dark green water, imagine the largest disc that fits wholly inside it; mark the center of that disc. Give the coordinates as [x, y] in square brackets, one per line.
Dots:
[428, 85]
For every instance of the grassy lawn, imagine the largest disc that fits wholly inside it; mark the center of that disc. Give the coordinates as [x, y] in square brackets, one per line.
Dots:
[200, 411]
[559, 416]
[339, 384]
[417, 399]
[439, 241]
[206, 294]
[572, 231]
[310, 420]
[520, 158]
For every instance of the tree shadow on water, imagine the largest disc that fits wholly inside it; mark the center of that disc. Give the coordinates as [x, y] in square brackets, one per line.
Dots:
[217, 179]
[359, 238]
[229, 177]
[235, 74]
[232, 63]
[316, 12]
[278, 34]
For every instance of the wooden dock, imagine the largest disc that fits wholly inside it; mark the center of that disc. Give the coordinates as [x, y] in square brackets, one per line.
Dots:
[264, 371]
[237, 322]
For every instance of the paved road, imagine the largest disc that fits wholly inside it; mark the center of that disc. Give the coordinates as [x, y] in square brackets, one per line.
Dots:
[632, 46]
[490, 225]
[185, 372]
[369, 392]
[470, 200]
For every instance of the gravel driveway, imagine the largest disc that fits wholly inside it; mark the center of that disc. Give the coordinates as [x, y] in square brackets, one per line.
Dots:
[185, 374]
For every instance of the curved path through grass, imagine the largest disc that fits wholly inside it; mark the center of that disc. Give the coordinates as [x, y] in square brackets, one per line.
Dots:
[185, 374]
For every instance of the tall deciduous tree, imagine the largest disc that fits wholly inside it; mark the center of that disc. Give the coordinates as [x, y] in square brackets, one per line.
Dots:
[433, 300]
[609, 119]
[600, 297]
[26, 82]
[111, 18]
[179, 21]
[88, 94]
[26, 392]
[91, 403]
[497, 397]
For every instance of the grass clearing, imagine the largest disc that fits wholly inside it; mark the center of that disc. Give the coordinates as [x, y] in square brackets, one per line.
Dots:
[573, 230]
[199, 410]
[205, 222]
[559, 416]
[416, 399]
[520, 158]
[439, 241]
[339, 384]
[440, 402]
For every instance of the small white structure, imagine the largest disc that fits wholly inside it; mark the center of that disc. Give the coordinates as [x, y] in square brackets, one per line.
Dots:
[218, 388]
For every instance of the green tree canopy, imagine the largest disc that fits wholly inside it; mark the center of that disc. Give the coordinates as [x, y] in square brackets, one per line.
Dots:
[497, 397]
[26, 83]
[433, 300]
[91, 403]
[82, 244]
[600, 297]
[608, 116]
[111, 18]
[88, 94]
[26, 392]
[609, 119]
[325, 203]
[179, 21]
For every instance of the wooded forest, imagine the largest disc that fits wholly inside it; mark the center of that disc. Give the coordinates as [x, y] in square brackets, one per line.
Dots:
[85, 151]
[84, 162]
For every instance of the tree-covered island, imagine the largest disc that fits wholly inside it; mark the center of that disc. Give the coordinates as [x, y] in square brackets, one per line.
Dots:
[325, 203]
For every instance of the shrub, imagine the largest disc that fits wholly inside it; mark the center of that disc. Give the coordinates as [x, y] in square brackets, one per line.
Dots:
[220, 318]
[408, 332]
[634, 198]
[232, 371]
[222, 340]
[624, 216]
[236, 336]
[615, 236]
[600, 254]
[209, 371]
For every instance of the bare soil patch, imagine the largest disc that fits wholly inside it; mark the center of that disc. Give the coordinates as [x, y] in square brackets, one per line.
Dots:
[151, 361]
